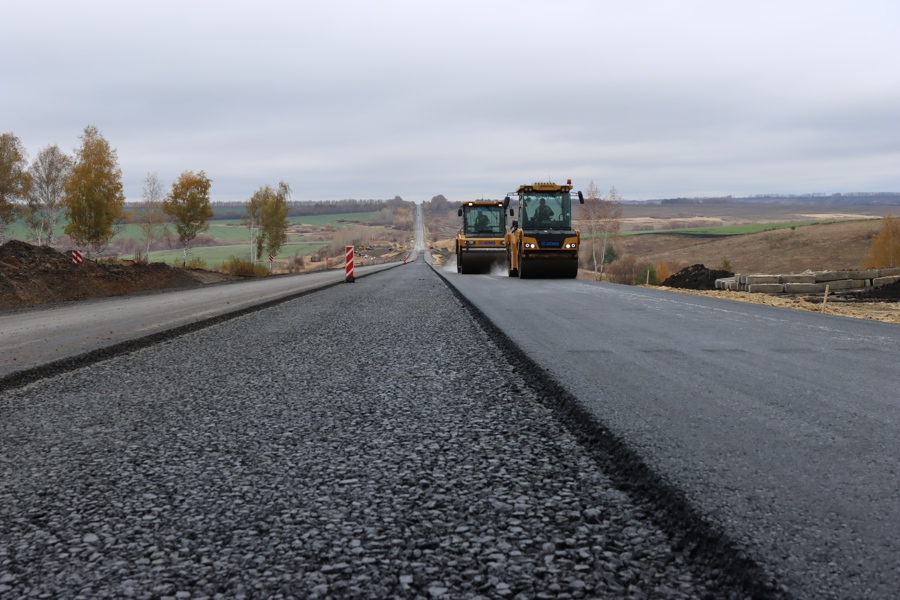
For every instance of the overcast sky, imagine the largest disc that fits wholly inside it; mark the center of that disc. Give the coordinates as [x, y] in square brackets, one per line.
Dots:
[373, 99]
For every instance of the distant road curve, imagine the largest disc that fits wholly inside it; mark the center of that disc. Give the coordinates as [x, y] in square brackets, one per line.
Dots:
[34, 337]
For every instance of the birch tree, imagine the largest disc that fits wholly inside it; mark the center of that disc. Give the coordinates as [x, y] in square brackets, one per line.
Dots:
[274, 218]
[94, 198]
[610, 221]
[591, 213]
[266, 219]
[188, 207]
[14, 179]
[150, 217]
[46, 202]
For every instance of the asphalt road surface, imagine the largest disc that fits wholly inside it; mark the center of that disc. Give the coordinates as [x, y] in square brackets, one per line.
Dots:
[351, 443]
[781, 427]
[34, 337]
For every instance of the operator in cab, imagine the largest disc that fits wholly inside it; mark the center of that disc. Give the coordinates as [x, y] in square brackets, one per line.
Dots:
[481, 221]
[543, 213]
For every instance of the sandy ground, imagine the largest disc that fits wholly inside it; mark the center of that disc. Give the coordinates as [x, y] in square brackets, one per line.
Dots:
[888, 312]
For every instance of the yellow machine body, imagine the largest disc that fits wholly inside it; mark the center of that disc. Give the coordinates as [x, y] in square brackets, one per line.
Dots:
[481, 240]
[542, 242]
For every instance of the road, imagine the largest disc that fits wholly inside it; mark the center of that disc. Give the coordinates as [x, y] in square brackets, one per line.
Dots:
[29, 338]
[780, 426]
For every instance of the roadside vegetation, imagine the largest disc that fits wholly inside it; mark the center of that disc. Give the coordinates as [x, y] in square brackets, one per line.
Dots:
[77, 202]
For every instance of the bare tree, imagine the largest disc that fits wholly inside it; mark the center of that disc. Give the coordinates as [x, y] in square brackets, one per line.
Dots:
[150, 216]
[14, 179]
[610, 221]
[591, 213]
[45, 207]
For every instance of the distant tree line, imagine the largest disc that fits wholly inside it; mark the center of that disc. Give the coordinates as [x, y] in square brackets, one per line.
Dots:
[237, 210]
[719, 200]
[848, 199]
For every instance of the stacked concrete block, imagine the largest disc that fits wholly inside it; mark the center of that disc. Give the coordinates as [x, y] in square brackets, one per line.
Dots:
[810, 282]
[726, 283]
[864, 274]
[765, 288]
[880, 281]
[802, 278]
[763, 279]
[829, 276]
[804, 288]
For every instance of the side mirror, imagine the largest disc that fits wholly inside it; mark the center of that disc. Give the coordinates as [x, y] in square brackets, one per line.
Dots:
[459, 213]
[580, 198]
[506, 202]
[511, 213]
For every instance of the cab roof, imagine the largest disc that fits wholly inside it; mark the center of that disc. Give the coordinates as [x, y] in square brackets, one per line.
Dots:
[544, 186]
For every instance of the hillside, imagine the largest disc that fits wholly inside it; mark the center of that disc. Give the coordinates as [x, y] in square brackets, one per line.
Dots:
[840, 245]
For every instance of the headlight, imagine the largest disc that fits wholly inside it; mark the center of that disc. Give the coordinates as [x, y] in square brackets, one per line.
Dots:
[529, 245]
[571, 245]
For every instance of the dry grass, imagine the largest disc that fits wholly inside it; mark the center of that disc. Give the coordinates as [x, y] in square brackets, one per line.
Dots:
[840, 245]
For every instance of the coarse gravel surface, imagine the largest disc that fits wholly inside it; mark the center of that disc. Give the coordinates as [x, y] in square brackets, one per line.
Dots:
[366, 441]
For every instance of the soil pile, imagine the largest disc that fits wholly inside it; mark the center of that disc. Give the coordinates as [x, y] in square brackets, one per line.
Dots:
[695, 277]
[36, 275]
[890, 293]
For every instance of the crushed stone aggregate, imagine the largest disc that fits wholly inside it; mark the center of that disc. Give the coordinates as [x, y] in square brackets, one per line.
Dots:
[367, 441]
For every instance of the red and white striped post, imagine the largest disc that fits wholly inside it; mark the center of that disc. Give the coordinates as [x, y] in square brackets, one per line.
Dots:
[349, 268]
[76, 260]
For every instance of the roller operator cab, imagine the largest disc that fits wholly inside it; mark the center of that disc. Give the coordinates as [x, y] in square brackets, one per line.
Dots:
[481, 241]
[542, 242]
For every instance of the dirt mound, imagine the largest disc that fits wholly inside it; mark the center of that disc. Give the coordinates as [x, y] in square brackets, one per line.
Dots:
[890, 292]
[695, 277]
[37, 274]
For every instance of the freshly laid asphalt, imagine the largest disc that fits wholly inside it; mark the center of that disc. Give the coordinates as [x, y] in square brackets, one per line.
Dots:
[780, 427]
[370, 440]
[35, 337]
[747, 449]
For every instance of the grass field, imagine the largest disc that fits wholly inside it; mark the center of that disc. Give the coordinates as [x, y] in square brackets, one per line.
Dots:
[216, 255]
[229, 230]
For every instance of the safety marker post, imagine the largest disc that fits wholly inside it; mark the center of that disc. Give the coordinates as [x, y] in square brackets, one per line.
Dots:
[76, 260]
[349, 268]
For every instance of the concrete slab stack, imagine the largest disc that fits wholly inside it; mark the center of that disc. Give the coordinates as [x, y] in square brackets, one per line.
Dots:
[810, 282]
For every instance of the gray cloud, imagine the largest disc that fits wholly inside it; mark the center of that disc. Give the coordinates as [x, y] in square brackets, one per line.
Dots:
[366, 100]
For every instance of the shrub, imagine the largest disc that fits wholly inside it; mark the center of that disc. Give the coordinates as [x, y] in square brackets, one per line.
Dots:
[885, 249]
[622, 271]
[196, 263]
[241, 267]
[662, 271]
[296, 263]
[611, 255]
